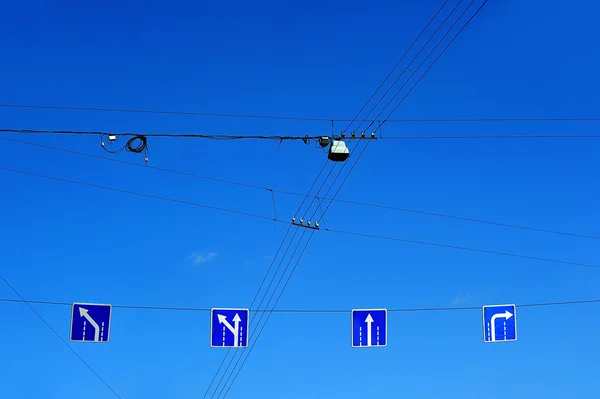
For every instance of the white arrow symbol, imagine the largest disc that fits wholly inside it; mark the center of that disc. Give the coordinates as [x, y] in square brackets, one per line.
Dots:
[84, 313]
[234, 329]
[369, 320]
[506, 315]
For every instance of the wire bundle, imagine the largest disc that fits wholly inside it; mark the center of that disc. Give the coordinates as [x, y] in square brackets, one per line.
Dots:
[136, 144]
[299, 246]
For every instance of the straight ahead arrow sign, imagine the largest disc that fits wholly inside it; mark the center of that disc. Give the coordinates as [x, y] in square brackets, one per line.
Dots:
[369, 320]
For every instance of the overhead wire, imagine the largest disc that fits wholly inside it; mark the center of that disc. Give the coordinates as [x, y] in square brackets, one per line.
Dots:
[438, 57]
[253, 323]
[251, 306]
[417, 82]
[271, 311]
[397, 64]
[297, 311]
[331, 230]
[254, 337]
[248, 353]
[399, 90]
[299, 118]
[138, 194]
[495, 137]
[369, 100]
[142, 136]
[373, 95]
[462, 248]
[43, 320]
[306, 139]
[402, 87]
[293, 193]
[408, 66]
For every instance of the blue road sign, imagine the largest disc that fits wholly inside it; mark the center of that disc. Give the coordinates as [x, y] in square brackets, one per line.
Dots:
[229, 328]
[369, 327]
[499, 323]
[90, 322]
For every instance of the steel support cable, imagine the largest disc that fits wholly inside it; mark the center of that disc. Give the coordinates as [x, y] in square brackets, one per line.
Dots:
[401, 88]
[339, 188]
[413, 60]
[118, 190]
[437, 58]
[39, 316]
[237, 373]
[397, 64]
[254, 323]
[375, 92]
[274, 276]
[331, 170]
[296, 311]
[308, 193]
[298, 118]
[142, 136]
[251, 306]
[262, 284]
[271, 312]
[462, 248]
[281, 221]
[266, 292]
[273, 190]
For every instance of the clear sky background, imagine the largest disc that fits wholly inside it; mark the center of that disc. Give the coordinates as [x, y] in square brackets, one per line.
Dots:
[62, 242]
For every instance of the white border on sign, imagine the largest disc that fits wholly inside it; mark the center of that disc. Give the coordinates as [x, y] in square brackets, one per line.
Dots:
[352, 328]
[247, 330]
[90, 304]
[483, 322]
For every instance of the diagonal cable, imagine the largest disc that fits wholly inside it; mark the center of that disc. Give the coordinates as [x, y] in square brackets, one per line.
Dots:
[39, 316]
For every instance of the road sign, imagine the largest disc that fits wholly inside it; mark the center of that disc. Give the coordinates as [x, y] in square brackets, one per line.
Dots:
[90, 322]
[229, 328]
[499, 323]
[369, 327]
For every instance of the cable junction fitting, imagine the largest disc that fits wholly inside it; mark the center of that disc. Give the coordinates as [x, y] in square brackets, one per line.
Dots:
[307, 225]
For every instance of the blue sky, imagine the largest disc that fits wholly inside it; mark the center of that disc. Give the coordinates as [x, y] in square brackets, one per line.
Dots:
[61, 242]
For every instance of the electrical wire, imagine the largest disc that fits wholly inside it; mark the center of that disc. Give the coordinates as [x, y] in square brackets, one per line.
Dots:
[236, 371]
[318, 193]
[397, 239]
[494, 137]
[399, 90]
[156, 197]
[416, 83]
[437, 58]
[398, 64]
[315, 119]
[368, 101]
[296, 311]
[255, 336]
[275, 275]
[339, 231]
[142, 136]
[414, 58]
[39, 316]
[293, 193]
[371, 97]
[251, 306]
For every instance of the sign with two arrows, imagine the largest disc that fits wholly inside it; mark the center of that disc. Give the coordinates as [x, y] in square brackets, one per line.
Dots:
[229, 328]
